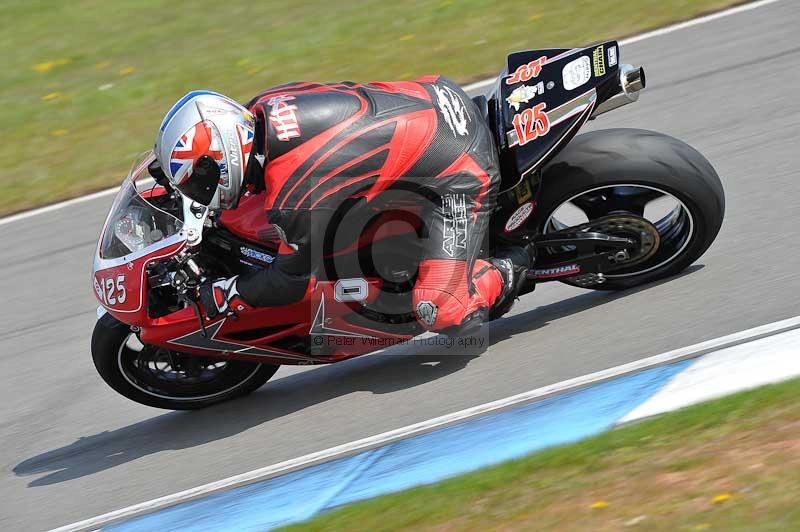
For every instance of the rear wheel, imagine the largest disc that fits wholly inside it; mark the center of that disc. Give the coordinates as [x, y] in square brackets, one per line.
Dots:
[163, 378]
[629, 174]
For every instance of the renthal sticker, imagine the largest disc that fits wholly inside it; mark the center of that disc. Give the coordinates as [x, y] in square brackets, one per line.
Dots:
[531, 124]
[599, 61]
[519, 217]
[560, 271]
[283, 118]
[612, 56]
[256, 255]
[577, 73]
[524, 94]
[454, 228]
[453, 110]
[526, 72]
[427, 312]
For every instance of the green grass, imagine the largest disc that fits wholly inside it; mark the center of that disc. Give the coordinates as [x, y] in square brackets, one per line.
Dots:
[730, 464]
[85, 83]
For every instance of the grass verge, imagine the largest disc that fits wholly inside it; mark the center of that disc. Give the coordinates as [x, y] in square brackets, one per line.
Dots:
[86, 83]
[729, 464]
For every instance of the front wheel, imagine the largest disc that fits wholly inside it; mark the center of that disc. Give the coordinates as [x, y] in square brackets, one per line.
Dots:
[169, 379]
[630, 173]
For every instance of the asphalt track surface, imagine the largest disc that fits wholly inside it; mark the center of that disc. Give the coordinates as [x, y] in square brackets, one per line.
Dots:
[72, 448]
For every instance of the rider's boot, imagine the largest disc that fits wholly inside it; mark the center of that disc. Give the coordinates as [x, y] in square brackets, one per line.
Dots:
[512, 263]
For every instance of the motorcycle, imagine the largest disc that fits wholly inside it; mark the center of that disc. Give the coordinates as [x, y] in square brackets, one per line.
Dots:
[606, 210]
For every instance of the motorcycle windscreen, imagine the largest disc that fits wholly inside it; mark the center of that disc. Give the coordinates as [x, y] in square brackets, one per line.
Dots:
[144, 226]
[135, 224]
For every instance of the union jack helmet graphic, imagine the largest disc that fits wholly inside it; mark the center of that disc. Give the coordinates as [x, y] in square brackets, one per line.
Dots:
[202, 125]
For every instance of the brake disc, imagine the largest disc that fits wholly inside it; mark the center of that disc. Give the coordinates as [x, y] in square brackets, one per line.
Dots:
[628, 226]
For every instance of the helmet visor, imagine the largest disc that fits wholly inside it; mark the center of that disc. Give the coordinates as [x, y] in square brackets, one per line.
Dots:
[203, 183]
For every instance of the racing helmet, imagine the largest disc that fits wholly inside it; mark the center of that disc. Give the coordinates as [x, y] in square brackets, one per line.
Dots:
[206, 136]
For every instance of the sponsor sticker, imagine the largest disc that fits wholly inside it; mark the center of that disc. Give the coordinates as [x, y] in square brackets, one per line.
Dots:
[524, 94]
[256, 255]
[453, 110]
[531, 124]
[559, 271]
[427, 312]
[523, 191]
[212, 111]
[612, 56]
[576, 73]
[249, 118]
[599, 61]
[454, 228]
[98, 290]
[527, 71]
[283, 118]
[519, 217]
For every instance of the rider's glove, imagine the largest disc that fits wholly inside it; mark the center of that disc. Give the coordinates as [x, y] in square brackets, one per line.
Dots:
[221, 297]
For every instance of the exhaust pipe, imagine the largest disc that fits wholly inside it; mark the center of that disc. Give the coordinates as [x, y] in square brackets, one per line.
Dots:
[631, 78]
[631, 81]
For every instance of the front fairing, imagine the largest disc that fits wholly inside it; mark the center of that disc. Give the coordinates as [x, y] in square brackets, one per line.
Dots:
[145, 224]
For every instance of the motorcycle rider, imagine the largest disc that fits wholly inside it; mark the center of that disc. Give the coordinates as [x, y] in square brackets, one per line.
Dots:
[310, 147]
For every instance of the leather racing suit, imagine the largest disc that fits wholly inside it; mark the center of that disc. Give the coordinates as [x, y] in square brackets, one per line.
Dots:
[326, 144]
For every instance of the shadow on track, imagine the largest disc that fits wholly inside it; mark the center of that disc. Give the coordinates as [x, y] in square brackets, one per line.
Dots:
[399, 368]
[537, 318]
[379, 374]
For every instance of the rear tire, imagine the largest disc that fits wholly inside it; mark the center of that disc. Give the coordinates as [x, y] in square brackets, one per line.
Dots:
[114, 366]
[620, 157]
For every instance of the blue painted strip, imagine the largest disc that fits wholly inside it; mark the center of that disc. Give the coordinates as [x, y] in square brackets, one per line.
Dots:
[418, 460]
[180, 103]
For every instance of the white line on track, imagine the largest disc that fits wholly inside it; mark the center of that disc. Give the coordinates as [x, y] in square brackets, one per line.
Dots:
[57, 206]
[472, 87]
[263, 473]
[478, 85]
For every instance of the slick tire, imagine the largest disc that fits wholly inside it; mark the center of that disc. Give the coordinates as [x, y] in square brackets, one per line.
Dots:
[638, 157]
[108, 353]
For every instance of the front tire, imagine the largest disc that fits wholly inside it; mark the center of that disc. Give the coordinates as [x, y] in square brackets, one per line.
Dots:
[602, 170]
[167, 379]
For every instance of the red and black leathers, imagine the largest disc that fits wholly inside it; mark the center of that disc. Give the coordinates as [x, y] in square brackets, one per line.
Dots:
[328, 144]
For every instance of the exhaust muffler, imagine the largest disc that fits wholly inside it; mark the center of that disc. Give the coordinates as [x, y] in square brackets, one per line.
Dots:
[631, 81]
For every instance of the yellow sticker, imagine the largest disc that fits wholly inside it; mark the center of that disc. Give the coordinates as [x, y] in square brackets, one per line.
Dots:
[599, 61]
[523, 191]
